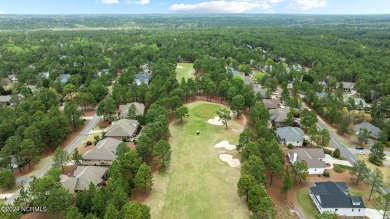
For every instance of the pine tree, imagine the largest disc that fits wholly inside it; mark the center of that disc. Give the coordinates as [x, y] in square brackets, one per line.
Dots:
[143, 179]
[287, 183]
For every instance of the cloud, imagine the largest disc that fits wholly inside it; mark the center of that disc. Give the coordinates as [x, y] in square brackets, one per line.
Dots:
[306, 4]
[109, 2]
[223, 6]
[2, 12]
[139, 2]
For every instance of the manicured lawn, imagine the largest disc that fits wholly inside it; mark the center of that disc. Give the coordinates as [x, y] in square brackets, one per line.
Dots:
[341, 168]
[307, 205]
[2, 201]
[197, 184]
[185, 70]
[384, 170]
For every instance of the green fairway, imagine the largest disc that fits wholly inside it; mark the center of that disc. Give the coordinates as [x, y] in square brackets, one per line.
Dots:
[185, 70]
[197, 184]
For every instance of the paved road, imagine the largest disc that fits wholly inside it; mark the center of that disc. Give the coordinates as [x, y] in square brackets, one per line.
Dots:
[68, 149]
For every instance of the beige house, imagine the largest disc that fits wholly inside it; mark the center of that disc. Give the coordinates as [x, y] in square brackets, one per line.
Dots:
[5, 100]
[123, 129]
[278, 116]
[82, 177]
[124, 109]
[102, 154]
[314, 158]
[271, 104]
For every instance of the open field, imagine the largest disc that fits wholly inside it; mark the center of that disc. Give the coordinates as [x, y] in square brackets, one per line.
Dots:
[185, 70]
[384, 170]
[197, 184]
[307, 205]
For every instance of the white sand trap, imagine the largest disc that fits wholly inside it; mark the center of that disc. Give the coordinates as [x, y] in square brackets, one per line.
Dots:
[215, 121]
[226, 145]
[228, 158]
[179, 67]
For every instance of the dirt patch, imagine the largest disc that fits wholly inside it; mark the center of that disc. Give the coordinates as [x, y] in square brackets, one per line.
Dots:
[84, 149]
[24, 170]
[131, 146]
[138, 195]
[69, 170]
[90, 112]
[104, 124]
[35, 215]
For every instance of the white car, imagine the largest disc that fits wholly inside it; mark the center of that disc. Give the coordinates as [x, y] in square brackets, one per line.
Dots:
[361, 152]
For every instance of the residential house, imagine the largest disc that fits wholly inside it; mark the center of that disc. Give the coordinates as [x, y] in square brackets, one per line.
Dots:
[103, 153]
[372, 129]
[124, 109]
[102, 71]
[13, 78]
[290, 85]
[82, 177]
[290, 135]
[64, 78]
[5, 100]
[314, 158]
[348, 86]
[335, 197]
[359, 102]
[262, 91]
[123, 129]
[233, 71]
[321, 95]
[278, 116]
[271, 104]
[142, 78]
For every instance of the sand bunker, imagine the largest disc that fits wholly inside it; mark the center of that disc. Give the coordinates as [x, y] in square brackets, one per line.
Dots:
[226, 145]
[179, 67]
[215, 121]
[228, 158]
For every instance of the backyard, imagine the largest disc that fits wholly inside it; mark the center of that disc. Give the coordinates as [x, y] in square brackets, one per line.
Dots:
[185, 70]
[198, 184]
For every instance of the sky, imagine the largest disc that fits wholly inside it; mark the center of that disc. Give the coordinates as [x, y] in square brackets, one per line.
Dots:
[194, 6]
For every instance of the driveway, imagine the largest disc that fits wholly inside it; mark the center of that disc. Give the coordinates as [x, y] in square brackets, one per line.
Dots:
[373, 214]
[331, 160]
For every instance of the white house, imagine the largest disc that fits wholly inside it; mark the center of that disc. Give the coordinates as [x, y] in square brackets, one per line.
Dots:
[314, 158]
[290, 135]
[335, 197]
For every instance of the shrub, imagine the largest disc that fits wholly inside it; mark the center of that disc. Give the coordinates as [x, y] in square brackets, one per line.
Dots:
[327, 151]
[336, 153]
[338, 169]
[305, 142]
[326, 173]
[290, 146]
[96, 138]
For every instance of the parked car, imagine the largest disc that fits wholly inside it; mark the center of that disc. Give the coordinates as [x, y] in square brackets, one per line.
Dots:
[361, 152]
[359, 148]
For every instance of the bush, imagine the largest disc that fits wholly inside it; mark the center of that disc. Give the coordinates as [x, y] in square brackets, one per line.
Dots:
[326, 173]
[290, 146]
[327, 151]
[305, 142]
[336, 153]
[375, 161]
[338, 169]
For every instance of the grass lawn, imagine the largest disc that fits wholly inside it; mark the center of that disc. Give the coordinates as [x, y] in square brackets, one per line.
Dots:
[338, 168]
[2, 201]
[384, 170]
[185, 70]
[307, 205]
[197, 184]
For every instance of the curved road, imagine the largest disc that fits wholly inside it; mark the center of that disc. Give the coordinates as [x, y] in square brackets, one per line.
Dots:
[69, 148]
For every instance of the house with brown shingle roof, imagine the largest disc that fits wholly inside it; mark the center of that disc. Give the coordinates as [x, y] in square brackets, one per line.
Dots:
[278, 116]
[314, 158]
[271, 104]
[123, 129]
[102, 154]
[124, 109]
[82, 177]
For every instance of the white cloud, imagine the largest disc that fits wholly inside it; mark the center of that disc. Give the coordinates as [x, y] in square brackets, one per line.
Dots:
[222, 6]
[2, 12]
[139, 2]
[110, 1]
[306, 4]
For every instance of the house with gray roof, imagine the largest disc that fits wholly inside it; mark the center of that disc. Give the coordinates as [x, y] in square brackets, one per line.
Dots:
[142, 78]
[124, 109]
[5, 100]
[359, 102]
[278, 116]
[335, 197]
[290, 135]
[102, 154]
[372, 129]
[314, 158]
[123, 129]
[348, 86]
[258, 89]
[102, 71]
[13, 78]
[82, 177]
[64, 78]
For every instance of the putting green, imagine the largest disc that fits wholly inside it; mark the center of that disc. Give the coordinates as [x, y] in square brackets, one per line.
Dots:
[198, 184]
